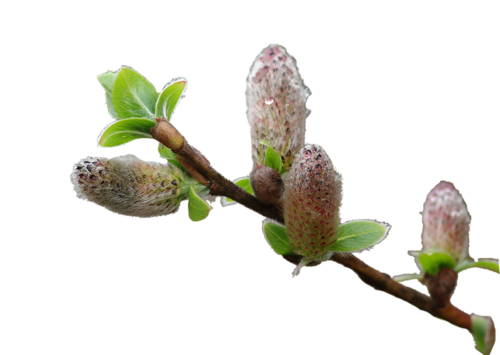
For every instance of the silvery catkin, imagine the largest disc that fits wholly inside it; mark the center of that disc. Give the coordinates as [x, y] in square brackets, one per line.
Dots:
[276, 105]
[446, 222]
[130, 186]
[312, 198]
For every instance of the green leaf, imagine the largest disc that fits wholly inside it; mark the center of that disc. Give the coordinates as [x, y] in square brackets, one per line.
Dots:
[167, 153]
[431, 262]
[360, 235]
[273, 160]
[483, 331]
[244, 183]
[276, 237]
[406, 277]
[133, 95]
[124, 131]
[107, 81]
[168, 99]
[198, 208]
[488, 264]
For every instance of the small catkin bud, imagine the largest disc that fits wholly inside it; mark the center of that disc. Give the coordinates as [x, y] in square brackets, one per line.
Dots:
[441, 286]
[267, 184]
[446, 222]
[312, 198]
[276, 105]
[130, 186]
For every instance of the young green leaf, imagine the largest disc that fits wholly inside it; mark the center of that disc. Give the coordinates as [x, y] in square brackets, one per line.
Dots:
[107, 81]
[133, 95]
[167, 153]
[273, 160]
[488, 264]
[483, 331]
[244, 183]
[125, 130]
[406, 277]
[432, 262]
[198, 208]
[360, 235]
[276, 237]
[169, 97]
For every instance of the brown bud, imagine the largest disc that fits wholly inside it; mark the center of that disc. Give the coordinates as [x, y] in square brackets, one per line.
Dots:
[267, 184]
[168, 135]
[194, 173]
[441, 286]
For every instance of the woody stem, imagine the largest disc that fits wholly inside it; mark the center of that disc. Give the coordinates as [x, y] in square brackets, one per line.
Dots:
[167, 134]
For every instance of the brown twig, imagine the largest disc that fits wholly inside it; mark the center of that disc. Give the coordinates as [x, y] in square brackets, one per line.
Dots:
[383, 282]
[166, 134]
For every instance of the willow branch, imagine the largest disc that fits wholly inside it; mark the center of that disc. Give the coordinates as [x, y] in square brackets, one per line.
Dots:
[196, 163]
[385, 283]
[165, 133]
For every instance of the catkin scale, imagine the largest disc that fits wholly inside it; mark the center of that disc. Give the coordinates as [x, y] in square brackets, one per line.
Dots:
[129, 186]
[312, 198]
[267, 184]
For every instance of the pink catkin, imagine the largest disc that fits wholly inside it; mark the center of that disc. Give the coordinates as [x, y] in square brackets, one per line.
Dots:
[276, 105]
[446, 222]
[312, 198]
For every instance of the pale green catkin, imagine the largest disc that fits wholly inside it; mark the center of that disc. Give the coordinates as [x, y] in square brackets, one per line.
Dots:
[130, 186]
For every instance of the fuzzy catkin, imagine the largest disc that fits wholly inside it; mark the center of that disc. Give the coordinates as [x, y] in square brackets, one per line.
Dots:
[446, 222]
[130, 186]
[312, 198]
[276, 105]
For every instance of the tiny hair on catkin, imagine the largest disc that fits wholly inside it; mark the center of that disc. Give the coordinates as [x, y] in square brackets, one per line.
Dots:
[130, 186]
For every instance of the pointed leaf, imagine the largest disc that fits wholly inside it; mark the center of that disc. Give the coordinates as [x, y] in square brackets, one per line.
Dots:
[107, 81]
[167, 153]
[198, 208]
[133, 95]
[273, 160]
[406, 277]
[276, 237]
[244, 183]
[483, 334]
[124, 131]
[431, 262]
[359, 235]
[488, 264]
[168, 99]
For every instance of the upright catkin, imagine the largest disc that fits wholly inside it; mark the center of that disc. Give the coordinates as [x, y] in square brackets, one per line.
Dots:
[446, 221]
[312, 198]
[276, 105]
